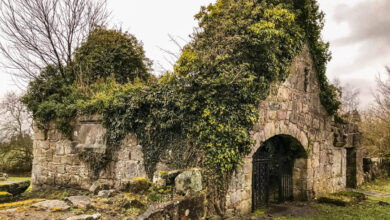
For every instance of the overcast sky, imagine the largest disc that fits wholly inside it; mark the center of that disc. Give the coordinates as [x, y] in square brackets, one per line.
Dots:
[358, 30]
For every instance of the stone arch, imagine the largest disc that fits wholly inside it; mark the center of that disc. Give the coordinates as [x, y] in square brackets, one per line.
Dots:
[279, 128]
[279, 169]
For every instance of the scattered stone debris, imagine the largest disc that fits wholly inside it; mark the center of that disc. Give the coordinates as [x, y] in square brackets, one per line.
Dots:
[85, 217]
[82, 202]
[51, 205]
[8, 210]
[98, 186]
[104, 193]
[3, 177]
[136, 185]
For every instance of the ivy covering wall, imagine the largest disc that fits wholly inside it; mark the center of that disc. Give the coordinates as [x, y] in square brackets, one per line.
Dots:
[204, 110]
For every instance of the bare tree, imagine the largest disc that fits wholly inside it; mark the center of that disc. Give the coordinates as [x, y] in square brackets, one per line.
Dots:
[15, 120]
[38, 33]
[376, 121]
[382, 96]
[349, 96]
[15, 135]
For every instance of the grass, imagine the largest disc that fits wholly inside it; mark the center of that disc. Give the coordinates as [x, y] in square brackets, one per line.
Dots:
[380, 186]
[368, 209]
[18, 204]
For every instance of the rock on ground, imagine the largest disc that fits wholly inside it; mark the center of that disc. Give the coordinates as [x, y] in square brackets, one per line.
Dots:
[104, 193]
[189, 181]
[135, 185]
[79, 201]
[85, 217]
[51, 205]
[14, 187]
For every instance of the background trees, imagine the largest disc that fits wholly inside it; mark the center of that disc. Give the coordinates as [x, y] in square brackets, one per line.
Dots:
[15, 135]
[39, 33]
[375, 123]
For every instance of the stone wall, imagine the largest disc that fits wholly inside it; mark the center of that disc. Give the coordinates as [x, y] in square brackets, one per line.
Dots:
[293, 108]
[57, 163]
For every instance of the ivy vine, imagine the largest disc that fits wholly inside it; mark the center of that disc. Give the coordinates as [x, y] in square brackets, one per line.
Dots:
[201, 113]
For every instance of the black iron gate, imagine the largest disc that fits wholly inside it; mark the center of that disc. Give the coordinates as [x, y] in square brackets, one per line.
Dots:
[272, 181]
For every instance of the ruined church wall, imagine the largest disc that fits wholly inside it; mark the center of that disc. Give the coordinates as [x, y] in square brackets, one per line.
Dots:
[57, 163]
[293, 108]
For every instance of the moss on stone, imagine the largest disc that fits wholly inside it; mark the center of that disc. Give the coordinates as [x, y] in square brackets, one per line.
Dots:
[19, 204]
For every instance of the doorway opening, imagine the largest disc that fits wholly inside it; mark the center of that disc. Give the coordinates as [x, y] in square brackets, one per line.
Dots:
[273, 170]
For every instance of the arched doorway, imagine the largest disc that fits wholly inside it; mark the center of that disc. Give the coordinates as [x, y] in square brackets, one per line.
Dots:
[273, 165]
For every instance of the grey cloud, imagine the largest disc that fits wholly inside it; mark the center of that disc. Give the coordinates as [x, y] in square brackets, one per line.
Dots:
[368, 21]
[369, 24]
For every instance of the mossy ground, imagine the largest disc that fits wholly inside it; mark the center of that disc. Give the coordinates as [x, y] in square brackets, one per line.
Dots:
[367, 209]
[379, 186]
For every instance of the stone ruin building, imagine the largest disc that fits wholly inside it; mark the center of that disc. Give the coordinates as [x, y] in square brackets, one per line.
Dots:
[300, 152]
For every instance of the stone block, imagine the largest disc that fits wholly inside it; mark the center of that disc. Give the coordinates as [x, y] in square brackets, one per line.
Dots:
[136, 153]
[81, 202]
[189, 181]
[282, 115]
[38, 134]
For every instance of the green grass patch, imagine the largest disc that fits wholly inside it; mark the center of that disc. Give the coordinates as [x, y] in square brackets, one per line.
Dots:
[258, 212]
[369, 209]
[379, 185]
[342, 198]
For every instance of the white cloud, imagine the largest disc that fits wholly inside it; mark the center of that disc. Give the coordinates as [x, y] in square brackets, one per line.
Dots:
[354, 28]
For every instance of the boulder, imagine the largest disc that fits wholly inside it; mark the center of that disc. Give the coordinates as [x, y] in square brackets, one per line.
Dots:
[14, 187]
[188, 182]
[81, 202]
[85, 217]
[135, 185]
[51, 205]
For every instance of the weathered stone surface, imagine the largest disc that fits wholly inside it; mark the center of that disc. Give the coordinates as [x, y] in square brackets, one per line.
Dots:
[56, 161]
[294, 108]
[135, 185]
[79, 201]
[8, 210]
[14, 187]
[165, 178]
[104, 193]
[86, 217]
[189, 181]
[51, 205]
[187, 208]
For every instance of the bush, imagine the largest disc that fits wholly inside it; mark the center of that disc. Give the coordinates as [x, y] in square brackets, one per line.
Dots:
[111, 52]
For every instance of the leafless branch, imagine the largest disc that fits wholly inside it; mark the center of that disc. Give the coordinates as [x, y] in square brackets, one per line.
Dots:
[37, 33]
